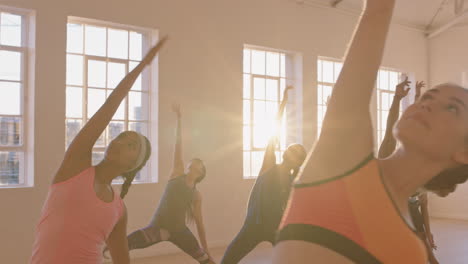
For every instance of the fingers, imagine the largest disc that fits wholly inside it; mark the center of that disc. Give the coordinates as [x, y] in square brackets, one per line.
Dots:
[154, 50]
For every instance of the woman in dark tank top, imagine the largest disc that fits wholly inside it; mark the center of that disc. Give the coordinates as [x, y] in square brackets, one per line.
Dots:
[180, 203]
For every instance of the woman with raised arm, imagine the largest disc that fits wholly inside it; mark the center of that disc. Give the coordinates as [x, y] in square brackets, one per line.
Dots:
[268, 197]
[349, 207]
[82, 211]
[417, 203]
[180, 203]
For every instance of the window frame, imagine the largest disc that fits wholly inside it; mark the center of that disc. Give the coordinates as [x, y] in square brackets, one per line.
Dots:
[26, 133]
[148, 91]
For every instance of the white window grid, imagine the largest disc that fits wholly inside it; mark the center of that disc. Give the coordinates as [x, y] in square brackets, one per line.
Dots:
[90, 89]
[14, 58]
[265, 79]
[328, 70]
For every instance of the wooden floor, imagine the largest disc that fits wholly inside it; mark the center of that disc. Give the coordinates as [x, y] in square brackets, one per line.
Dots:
[451, 237]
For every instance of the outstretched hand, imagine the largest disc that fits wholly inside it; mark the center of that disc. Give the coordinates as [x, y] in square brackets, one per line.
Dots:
[153, 51]
[419, 86]
[402, 89]
[176, 109]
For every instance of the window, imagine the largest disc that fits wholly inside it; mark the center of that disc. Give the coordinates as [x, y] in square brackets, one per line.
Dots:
[328, 71]
[265, 77]
[99, 55]
[14, 61]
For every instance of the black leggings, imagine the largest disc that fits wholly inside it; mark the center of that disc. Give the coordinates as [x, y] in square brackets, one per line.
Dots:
[183, 239]
[248, 238]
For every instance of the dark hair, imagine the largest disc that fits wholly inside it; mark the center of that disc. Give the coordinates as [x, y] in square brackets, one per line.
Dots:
[189, 215]
[448, 179]
[129, 176]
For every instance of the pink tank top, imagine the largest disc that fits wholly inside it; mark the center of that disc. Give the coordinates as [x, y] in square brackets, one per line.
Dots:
[74, 223]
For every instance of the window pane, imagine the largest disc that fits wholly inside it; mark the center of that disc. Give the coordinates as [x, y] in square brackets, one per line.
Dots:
[74, 70]
[393, 79]
[97, 73]
[259, 88]
[246, 112]
[95, 40]
[116, 73]
[10, 167]
[139, 127]
[117, 46]
[258, 62]
[259, 112]
[246, 61]
[320, 100]
[273, 64]
[247, 172]
[114, 129]
[10, 131]
[74, 103]
[383, 80]
[327, 71]
[283, 65]
[246, 138]
[10, 65]
[10, 98]
[11, 30]
[272, 87]
[73, 126]
[261, 135]
[136, 46]
[137, 106]
[271, 111]
[247, 86]
[75, 38]
[97, 157]
[96, 99]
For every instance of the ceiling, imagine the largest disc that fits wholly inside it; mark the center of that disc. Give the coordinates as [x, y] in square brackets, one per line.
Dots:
[423, 14]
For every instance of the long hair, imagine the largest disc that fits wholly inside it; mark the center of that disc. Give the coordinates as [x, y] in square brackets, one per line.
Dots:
[129, 176]
[448, 179]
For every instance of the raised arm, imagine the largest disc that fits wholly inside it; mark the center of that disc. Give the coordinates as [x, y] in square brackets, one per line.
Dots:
[347, 125]
[178, 163]
[419, 86]
[389, 142]
[269, 160]
[79, 154]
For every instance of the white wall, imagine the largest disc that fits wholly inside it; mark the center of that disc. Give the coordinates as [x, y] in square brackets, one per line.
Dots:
[201, 67]
[448, 61]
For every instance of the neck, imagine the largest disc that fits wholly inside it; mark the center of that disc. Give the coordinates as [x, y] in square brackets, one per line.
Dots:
[190, 180]
[405, 172]
[106, 171]
[285, 170]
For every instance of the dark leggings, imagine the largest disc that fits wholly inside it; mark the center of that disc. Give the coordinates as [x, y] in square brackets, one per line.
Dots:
[248, 238]
[183, 239]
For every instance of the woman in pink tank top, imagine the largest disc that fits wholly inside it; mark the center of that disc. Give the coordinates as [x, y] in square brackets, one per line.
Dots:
[82, 212]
